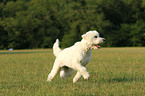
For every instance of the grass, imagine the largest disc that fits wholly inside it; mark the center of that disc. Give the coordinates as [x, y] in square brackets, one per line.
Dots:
[114, 72]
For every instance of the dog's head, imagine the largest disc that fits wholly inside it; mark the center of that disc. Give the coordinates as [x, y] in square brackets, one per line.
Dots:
[93, 38]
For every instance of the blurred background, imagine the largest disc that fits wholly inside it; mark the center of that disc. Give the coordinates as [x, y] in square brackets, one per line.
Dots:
[26, 24]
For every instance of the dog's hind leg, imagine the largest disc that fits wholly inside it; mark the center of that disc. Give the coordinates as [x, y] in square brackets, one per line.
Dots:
[77, 76]
[53, 72]
[82, 71]
[66, 72]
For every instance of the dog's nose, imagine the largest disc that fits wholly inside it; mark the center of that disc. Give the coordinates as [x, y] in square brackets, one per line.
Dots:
[104, 39]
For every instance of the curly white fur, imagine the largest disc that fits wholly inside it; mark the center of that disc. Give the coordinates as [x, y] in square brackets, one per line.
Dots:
[75, 57]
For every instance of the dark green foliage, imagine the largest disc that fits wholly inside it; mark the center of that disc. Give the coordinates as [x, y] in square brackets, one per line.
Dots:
[38, 23]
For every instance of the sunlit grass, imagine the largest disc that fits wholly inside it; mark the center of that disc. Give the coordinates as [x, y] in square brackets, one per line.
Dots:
[114, 71]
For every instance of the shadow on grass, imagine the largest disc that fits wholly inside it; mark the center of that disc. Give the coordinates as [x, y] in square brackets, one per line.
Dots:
[124, 79]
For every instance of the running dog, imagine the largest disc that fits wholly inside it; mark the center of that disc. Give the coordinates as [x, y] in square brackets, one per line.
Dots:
[75, 57]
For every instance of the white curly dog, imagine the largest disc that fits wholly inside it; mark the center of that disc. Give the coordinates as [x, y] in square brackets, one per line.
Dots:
[75, 57]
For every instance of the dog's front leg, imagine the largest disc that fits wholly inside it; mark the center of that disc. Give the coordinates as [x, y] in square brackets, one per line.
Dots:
[83, 71]
[77, 76]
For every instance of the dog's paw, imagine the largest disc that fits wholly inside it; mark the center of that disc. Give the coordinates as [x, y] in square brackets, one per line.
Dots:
[86, 76]
[74, 80]
[49, 78]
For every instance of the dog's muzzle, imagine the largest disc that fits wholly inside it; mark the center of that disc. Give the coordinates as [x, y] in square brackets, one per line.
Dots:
[97, 46]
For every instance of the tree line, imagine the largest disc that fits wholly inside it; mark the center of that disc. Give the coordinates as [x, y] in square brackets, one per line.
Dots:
[38, 23]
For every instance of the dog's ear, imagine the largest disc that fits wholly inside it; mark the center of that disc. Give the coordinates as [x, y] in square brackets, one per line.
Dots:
[84, 36]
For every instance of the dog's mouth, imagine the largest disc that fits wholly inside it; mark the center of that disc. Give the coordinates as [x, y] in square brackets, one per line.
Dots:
[96, 47]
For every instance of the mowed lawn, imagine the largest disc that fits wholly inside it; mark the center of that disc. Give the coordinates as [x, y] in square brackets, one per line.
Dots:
[113, 72]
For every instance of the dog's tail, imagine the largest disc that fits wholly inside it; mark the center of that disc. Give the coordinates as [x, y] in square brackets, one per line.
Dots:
[56, 49]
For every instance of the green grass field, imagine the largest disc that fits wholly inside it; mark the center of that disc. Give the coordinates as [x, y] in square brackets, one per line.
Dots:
[113, 71]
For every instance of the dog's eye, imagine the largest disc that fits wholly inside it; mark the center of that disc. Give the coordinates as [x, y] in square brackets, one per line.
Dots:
[95, 36]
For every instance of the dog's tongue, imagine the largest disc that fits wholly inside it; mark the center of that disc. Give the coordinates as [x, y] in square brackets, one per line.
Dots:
[97, 46]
